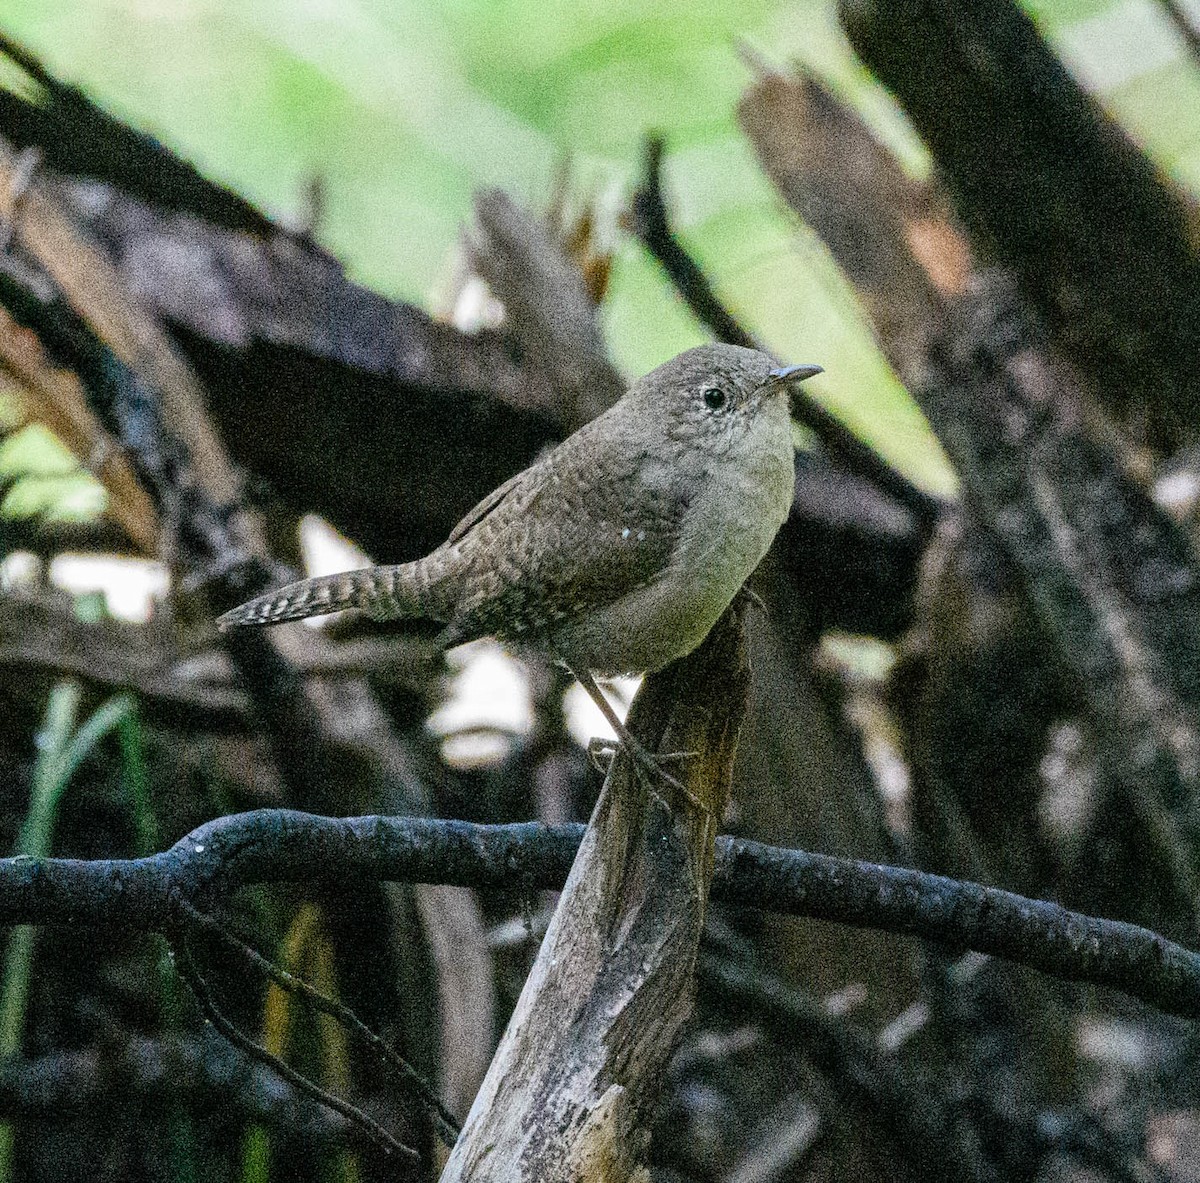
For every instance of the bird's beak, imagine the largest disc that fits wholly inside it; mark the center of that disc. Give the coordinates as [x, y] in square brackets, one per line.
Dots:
[785, 375]
[782, 377]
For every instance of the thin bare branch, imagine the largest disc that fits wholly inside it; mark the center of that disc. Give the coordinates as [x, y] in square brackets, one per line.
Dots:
[448, 1125]
[199, 987]
[648, 217]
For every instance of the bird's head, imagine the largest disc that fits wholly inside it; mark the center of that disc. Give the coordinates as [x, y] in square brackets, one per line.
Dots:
[717, 394]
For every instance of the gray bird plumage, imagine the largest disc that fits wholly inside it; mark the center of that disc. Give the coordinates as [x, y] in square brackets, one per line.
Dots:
[617, 550]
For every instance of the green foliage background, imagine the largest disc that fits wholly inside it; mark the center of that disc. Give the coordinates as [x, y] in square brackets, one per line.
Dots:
[403, 107]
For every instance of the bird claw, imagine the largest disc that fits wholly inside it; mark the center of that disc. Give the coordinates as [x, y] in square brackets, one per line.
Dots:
[649, 765]
[601, 752]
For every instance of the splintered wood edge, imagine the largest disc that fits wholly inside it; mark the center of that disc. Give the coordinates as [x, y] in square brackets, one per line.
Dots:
[90, 284]
[572, 1086]
[849, 187]
[547, 305]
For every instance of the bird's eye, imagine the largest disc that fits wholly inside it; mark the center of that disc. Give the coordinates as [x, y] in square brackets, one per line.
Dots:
[715, 400]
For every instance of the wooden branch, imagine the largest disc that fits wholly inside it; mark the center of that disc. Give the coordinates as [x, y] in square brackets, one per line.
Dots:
[958, 1136]
[572, 1085]
[41, 640]
[188, 1070]
[648, 216]
[885, 231]
[308, 374]
[301, 364]
[1112, 581]
[79, 136]
[149, 399]
[55, 398]
[1101, 242]
[548, 309]
[84, 279]
[895, 1098]
[334, 747]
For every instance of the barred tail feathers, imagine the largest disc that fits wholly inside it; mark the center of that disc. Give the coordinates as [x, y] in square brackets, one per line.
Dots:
[384, 593]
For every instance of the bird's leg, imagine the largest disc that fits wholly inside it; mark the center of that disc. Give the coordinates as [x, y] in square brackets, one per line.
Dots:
[753, 598]
[644, 762]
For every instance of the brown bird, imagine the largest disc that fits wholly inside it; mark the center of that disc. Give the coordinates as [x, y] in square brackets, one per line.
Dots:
[618, 550]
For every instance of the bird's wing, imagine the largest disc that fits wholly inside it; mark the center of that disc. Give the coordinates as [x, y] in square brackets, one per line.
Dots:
[559, 544]
[474, 516]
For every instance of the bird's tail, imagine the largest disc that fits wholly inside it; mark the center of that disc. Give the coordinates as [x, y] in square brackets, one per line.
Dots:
[384, 593]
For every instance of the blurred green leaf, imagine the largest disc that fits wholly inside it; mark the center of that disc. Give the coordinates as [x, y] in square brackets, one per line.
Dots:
[45, 478]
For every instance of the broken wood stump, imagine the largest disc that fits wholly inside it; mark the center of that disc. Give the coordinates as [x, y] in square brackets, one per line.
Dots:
[571, 1089]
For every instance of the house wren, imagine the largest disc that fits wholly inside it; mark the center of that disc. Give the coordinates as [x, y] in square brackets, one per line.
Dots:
[616, 551]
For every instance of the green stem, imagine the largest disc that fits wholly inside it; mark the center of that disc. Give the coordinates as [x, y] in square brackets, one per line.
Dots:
[61, 751]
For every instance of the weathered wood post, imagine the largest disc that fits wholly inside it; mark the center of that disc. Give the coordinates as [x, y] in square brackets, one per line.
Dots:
[572, 1086]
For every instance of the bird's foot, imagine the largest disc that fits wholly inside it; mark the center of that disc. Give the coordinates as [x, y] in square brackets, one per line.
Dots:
[650, 766]
[601, 751]
[647, 766]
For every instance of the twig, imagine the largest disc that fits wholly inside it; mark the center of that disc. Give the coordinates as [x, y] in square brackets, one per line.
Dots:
[80, 133]
[108, 1077]
[190, 972]
[448, 1125]
[795, 1128]
[984, 1139]
[648, 218]
[284, 846]
[1185, 26]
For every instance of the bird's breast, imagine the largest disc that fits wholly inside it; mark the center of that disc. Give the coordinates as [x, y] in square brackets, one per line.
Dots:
[728, 506]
